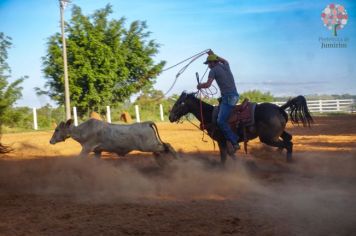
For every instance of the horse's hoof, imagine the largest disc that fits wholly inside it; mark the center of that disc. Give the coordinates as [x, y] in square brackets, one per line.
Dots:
[251, 165]
[289, 157]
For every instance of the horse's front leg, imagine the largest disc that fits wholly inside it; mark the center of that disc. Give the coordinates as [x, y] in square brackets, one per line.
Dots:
[223, 152]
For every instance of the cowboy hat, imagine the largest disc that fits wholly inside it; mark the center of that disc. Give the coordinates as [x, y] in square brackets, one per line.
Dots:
[211, 58]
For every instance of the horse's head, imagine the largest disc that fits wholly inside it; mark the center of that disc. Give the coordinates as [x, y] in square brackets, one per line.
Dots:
[180, 108]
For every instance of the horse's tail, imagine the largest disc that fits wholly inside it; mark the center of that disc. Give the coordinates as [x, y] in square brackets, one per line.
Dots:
[299, 111]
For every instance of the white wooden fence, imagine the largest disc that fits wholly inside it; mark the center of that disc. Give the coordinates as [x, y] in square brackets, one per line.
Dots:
[329, 106]
[319, 106]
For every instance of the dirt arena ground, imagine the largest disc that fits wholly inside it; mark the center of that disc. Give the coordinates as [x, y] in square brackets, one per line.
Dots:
[47, 190]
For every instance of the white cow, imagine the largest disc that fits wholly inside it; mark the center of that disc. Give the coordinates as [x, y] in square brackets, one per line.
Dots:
[97, 136]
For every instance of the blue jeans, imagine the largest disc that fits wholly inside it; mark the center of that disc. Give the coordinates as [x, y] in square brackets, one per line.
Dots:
[228, 101]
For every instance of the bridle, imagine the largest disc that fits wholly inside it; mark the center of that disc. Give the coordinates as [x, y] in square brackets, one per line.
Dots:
[186, 116]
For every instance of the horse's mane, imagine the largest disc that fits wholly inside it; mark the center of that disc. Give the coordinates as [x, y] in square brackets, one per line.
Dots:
[194, 95]
[206, 107]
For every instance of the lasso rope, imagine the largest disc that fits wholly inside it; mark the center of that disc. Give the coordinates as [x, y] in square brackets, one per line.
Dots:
[207, 93]
[181, 71]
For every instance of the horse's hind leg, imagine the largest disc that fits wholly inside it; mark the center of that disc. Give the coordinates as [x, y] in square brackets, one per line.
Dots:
[280, 144]
[287, 139]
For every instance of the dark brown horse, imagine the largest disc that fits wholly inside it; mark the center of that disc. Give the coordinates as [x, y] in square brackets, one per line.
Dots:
[269, 125]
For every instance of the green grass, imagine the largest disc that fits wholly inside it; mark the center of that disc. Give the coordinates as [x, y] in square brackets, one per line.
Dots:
[13, 130]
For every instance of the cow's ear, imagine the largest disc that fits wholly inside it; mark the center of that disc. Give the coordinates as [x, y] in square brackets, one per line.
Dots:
[69, 122]
[61, 124]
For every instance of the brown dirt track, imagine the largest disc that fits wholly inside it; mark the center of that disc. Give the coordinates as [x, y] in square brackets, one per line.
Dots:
[46, 190]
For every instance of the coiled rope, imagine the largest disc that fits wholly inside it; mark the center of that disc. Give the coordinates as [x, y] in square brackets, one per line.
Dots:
[181, 71]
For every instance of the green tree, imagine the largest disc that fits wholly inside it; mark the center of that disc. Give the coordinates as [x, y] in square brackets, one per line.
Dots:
[257, 96]
[9, 92]
[149, 97]
[18, 118]
[107, 63]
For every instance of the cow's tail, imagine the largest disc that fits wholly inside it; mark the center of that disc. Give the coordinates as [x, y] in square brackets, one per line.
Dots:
[167, 146]
[299, 111]
[155, 129]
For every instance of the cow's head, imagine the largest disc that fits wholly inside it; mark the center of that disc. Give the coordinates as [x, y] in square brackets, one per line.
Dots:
[62, 132]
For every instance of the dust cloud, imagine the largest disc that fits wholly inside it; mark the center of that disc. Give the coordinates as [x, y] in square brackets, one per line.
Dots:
[316, 195]
[101, 180]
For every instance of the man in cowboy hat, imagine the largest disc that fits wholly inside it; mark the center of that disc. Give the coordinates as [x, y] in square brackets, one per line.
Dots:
[220, 71]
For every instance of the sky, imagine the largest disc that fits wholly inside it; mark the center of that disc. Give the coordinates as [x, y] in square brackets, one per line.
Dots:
[271, 45]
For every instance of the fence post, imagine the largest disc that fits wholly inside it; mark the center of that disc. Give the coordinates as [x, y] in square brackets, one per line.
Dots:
[137, 114]
[161, 112]
[35, 127]
[75, 116]
[108, 114]
[320, 106]
[338, 105]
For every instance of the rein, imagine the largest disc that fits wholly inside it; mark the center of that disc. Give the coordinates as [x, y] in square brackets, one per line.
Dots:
[202, 126]
[204, 132]
[201, 115]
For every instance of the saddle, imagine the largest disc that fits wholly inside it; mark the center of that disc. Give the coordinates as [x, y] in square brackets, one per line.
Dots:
[241, 114]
